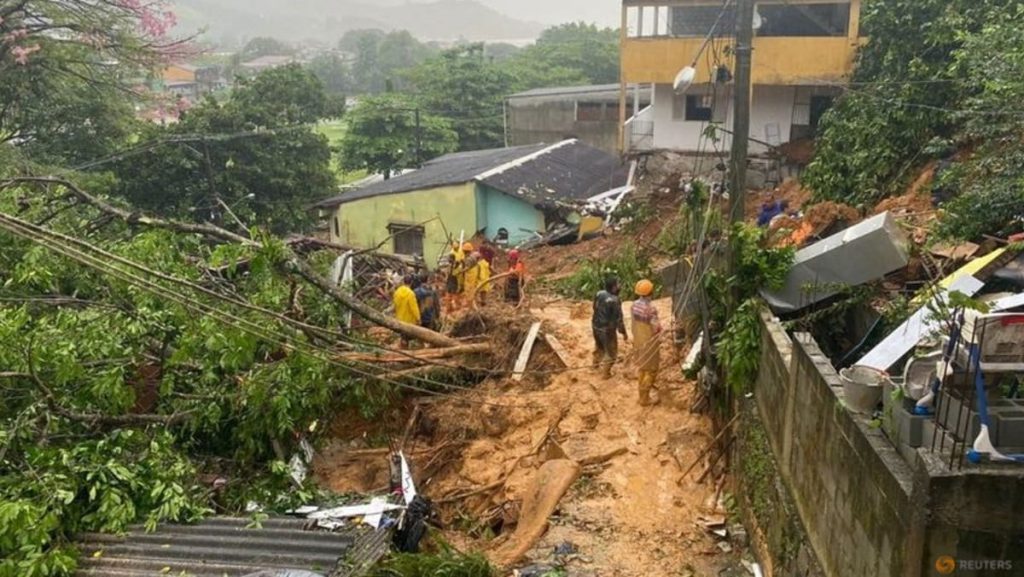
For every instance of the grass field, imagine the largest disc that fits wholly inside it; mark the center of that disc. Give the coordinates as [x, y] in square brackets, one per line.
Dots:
[334, 130]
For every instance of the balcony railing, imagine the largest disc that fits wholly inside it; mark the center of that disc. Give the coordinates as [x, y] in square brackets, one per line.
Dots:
[640, 131]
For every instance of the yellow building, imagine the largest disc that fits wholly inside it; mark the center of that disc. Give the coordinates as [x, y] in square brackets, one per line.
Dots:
[804, 51]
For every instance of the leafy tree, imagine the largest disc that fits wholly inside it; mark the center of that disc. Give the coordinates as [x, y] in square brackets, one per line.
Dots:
[83, 445]
[382, 135]
[991, 179]
[904, 96]
[66, 66]
[592, 51]
[257, 152]
[380, 56]
[465, 87]
[333, 73]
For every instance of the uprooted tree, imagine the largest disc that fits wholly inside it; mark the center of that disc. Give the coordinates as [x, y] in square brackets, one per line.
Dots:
[136, 352]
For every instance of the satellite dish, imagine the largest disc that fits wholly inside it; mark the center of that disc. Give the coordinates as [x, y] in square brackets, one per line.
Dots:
[684, 79]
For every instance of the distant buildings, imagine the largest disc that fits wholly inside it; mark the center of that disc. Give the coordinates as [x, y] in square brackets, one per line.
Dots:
[190, 81]
[588, 113]
[257, 65]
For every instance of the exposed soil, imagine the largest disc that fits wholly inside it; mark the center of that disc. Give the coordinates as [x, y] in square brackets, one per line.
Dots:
[626, 514]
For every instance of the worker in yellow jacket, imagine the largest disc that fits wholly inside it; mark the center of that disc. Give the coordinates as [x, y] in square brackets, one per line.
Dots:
[407, 310]
[485, 276]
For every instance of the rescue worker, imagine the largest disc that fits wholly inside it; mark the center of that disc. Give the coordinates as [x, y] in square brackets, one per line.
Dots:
[477, 272]
[646, 339]
[406, 309]
[517, 277]
[484, 287]
[606, 321]
[429, 304]
[456, 268]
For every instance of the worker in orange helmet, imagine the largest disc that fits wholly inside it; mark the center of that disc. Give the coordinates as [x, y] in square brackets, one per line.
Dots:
[647, 339]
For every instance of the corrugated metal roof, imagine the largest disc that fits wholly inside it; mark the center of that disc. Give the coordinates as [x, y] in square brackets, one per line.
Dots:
[223, 547]
[566, 90]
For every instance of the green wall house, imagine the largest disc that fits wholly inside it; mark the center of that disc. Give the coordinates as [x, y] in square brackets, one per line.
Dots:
[518, 189]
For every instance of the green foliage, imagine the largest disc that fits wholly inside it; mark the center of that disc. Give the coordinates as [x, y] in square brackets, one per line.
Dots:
[80, 349]
[629, 265]
[740, 345]
[465, 87]
[905, 92]
[447, 563]
[382, 135]
[268, 179]
[991, 180]
[758, 268]
[582, 47]
[380, 57]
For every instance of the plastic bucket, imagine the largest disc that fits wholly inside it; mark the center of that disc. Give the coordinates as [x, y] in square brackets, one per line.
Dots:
[863, 387]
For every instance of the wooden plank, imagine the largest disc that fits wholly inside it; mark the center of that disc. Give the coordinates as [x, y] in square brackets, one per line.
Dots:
[524, 354]
[556, 345]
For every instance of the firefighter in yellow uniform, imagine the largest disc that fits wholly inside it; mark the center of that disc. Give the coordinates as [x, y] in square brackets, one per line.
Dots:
[407, 310]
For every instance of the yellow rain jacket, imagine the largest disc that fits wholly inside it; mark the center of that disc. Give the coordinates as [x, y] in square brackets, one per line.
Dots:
[485, 275]
[406, 308]
[473, 277]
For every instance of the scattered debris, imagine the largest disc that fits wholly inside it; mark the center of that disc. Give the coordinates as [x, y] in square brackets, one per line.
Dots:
[524, 354]
[550, 483]
[862, 253]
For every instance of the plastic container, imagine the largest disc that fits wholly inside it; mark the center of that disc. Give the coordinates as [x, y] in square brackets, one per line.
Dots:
[863, 387]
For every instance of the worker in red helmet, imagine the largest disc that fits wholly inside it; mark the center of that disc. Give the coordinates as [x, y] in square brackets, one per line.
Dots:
[647, 340]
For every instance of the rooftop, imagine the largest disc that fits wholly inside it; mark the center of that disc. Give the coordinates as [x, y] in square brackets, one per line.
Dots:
[594, 89]
[567, 170]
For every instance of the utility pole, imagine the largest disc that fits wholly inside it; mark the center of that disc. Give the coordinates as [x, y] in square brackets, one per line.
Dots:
[419, 140]
[741, 122]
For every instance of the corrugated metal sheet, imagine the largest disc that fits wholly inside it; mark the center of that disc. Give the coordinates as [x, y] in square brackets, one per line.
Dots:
[223, 547]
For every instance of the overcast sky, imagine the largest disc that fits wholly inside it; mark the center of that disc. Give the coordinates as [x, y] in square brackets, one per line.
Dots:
[603, 12]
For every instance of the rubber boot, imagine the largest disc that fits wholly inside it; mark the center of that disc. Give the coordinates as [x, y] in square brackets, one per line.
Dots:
[644, 390]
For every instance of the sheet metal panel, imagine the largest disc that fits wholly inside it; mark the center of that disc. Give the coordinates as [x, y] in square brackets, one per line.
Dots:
[862, 253]
[217, 547]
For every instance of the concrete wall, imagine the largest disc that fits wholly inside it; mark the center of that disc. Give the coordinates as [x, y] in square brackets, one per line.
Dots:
[852, 491]
[364, 223]
[771, 105]
[817, 480]
[501, 210]
[537, 121]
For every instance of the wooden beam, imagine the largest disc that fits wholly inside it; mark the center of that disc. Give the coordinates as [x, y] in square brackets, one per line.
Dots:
[524, 354]
[556, 346]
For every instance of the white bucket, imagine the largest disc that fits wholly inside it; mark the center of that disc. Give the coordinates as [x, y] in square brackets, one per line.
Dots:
[863, 387]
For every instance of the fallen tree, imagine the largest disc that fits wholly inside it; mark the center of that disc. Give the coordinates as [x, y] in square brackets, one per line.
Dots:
[128, 372]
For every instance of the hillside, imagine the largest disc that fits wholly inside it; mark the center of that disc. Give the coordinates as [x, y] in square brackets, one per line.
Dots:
[327, 20]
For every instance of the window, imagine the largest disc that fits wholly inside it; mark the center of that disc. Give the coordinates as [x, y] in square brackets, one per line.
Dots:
[819, 106]
[693, 107]
[589, 111]
[408, 239]
[777, 19]
[337, 227]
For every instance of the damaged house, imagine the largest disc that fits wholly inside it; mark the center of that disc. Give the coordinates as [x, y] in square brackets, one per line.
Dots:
[518, 192]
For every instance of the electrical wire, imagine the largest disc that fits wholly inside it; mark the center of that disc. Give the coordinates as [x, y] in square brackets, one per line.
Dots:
[39, 235]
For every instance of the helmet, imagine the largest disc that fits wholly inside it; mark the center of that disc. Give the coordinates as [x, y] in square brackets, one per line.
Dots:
[644, 288]
[513, 254]
[467, 247]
